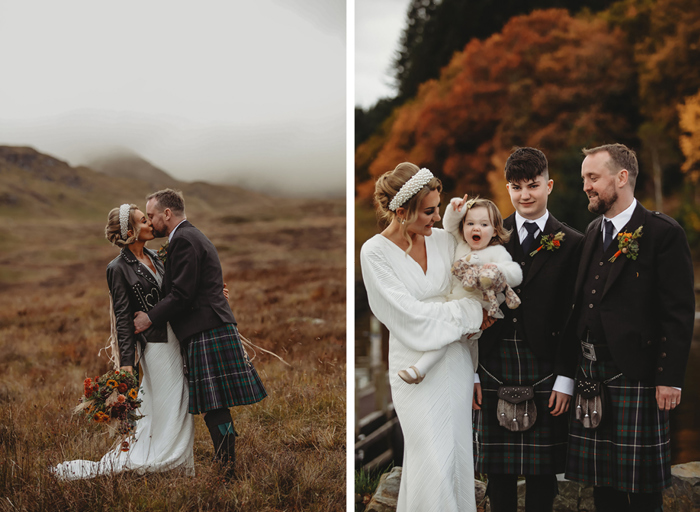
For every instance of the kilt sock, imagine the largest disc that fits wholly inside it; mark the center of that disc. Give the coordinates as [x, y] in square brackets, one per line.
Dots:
[607, 499]
[223, 436]
[502, 491]
[540, 491]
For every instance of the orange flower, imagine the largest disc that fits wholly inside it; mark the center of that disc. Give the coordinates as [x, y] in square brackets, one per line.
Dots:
[121, 398]
[116, 372]
[101, 417]
[122, 387]
[133, 394]
[556, 243]
[125, 446]
[112, 383]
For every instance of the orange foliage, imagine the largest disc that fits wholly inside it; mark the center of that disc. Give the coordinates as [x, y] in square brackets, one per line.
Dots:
[668, 59]
[689, 119]
[546, 80]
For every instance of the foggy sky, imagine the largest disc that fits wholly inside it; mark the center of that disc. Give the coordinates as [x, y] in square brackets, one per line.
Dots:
[378, 28]
[221, 90]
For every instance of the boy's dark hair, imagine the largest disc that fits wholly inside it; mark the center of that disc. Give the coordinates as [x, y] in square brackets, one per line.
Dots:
[525, 164]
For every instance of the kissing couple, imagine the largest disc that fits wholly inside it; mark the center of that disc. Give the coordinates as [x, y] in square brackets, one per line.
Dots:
[171, 314]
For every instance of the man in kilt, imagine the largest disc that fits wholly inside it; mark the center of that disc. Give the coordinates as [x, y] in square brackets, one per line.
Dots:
[523, 347]
[631, 329]
[218, 370]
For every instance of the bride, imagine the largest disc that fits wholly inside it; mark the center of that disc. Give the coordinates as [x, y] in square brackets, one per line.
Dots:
[164, 437]
[406, 270]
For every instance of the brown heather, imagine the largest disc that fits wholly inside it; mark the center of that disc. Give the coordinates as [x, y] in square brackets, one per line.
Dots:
[286, 274]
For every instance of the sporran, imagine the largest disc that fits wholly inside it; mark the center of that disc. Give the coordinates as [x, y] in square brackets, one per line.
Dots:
[516, 408]
[590, 402]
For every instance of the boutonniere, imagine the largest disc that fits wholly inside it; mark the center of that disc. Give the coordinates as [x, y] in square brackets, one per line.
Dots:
[627, 244]
[549, 242]
[163, 252]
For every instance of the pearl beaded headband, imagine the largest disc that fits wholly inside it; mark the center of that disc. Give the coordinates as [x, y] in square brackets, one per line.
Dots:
[411, 188]
[124, 219]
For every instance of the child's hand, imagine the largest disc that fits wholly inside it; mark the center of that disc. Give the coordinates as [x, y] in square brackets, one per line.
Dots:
[457, 203]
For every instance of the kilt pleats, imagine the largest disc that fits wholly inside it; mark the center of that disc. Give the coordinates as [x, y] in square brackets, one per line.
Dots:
[220, 373]
[631, 449]
[540, 450]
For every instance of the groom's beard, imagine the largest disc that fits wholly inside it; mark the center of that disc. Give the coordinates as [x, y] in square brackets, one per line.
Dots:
[159, 233]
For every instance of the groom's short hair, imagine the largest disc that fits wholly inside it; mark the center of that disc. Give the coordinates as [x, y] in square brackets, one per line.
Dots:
[525, 164]
[169, 198]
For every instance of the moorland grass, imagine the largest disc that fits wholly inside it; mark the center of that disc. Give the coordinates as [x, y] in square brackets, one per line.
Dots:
[288, 295]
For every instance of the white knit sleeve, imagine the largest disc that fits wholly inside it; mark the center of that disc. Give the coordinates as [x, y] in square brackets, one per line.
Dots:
[451, 220]
[421, 326]
[511, 269]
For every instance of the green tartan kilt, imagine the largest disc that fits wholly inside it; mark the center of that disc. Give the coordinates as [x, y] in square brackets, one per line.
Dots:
[631, 450]
[541, 450]
[220, 373]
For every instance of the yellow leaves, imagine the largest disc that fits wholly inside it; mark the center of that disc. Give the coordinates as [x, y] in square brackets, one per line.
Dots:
[689, 140]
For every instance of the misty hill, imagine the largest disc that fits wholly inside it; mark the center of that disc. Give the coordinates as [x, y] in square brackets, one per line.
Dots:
[127, 164]
[33, 184]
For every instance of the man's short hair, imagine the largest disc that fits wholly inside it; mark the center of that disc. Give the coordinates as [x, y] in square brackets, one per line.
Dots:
[525, 164]
[169, 198]
[621, 157]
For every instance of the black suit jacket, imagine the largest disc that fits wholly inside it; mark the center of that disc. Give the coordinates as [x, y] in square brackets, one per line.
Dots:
[545, 293]
[193, 286]
[647, 307]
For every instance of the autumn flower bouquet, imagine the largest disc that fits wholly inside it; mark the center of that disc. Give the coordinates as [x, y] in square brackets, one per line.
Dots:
[112, 399]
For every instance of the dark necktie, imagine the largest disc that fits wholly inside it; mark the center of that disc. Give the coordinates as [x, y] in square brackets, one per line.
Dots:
[529, 240]
[608, 235]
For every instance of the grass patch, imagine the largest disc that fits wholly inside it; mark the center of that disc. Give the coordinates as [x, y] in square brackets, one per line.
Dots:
[291, 453]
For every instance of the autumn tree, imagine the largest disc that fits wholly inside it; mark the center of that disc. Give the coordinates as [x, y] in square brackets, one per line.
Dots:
[665, 35]
[547, 80]
[434, 31]
[689, 120]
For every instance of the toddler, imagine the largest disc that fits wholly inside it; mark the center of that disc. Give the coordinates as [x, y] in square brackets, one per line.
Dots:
[477, 225]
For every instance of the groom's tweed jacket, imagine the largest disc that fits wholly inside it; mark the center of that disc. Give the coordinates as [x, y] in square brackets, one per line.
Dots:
[193, 286]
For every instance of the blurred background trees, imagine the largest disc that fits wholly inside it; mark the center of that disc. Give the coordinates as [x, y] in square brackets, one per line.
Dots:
[476, 78]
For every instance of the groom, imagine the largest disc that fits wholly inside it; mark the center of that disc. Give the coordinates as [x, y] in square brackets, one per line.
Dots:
[219, 373]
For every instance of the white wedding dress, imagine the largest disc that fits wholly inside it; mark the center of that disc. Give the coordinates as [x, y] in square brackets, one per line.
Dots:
[435, 415]
[164, 437]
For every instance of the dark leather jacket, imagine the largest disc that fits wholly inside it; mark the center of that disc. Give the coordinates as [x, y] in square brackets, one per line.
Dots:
[133, 288]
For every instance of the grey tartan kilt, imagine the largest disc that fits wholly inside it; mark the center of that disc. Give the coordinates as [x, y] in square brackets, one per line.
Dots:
[540, 450]
[220, 373]
[631, 450]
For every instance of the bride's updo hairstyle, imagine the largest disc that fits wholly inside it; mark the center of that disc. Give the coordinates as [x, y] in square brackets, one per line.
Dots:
[113, 229]
[389, 184]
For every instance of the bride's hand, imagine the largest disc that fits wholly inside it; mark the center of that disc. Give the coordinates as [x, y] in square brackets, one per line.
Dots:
[129, 369]
[476, 399]
[457, 203]
[225, 291]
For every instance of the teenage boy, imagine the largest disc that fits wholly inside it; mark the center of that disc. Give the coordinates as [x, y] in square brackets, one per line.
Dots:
[523, 348]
